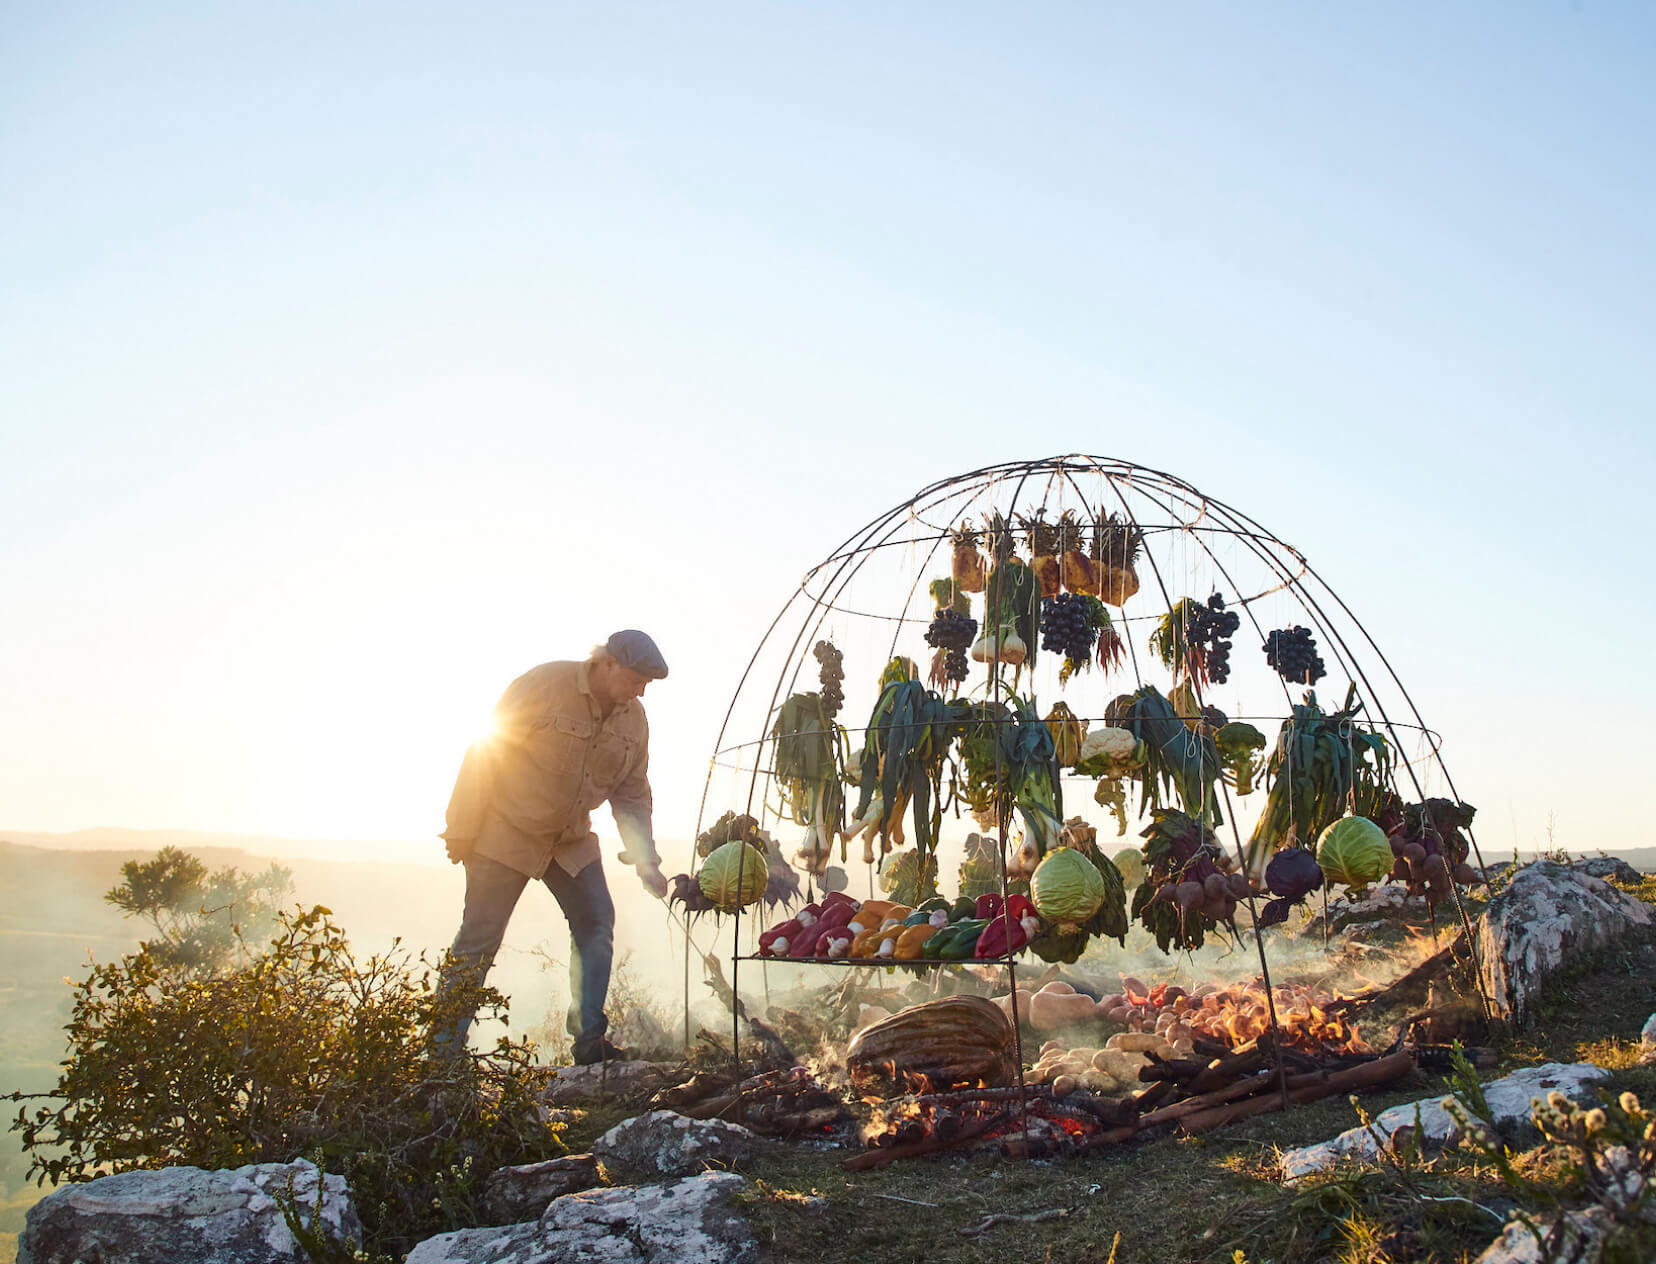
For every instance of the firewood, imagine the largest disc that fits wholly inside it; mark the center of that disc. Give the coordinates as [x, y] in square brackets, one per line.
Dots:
[1369, 1075]
[932, 1145]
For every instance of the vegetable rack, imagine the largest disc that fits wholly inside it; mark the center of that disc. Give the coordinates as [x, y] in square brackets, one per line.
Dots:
[1177, 633]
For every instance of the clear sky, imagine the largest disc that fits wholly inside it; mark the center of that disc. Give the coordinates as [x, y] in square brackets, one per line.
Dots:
[354, 358]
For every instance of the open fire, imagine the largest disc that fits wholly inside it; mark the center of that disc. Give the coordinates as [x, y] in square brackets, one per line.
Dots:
[1241, 1012]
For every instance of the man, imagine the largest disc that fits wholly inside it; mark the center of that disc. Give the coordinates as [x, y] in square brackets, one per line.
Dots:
[568, 737]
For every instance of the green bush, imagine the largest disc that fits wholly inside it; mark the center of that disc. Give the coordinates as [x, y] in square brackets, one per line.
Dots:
[303, 1050]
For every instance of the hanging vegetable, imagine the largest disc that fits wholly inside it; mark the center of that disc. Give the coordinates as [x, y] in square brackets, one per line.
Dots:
[1111, 793]
[1012, 602]
[1068, 733]
[905, 744]
[1067, 888]
[1324, 766]
[1291, 876]
[1115, 548]
[966, 567]
[946, 595]
[807, 756]
[1354, 852]
[1429, 850]
[910, 878]
[1042, 538]
[1188, 888]
[1239, 745]
[733, 876]
[1176, 759]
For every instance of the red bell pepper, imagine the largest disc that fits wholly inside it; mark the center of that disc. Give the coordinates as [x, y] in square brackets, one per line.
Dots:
[988, 904]
[1010, 930]
[783, 934]
[833, 942]
[838, 913]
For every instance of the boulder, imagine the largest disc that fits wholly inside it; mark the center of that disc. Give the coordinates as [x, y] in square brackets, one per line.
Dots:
[1608, 867]
[1547, 917]
[185, 1215]
[690, 1221]
[663, 1143]
[1509, 1101]
[515, 1194]
[606, 1079]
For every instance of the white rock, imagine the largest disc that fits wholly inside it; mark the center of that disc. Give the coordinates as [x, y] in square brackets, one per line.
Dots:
[1509, 1101]
[663, 1143]
[1545, 918]
[187, 1216]
[1647, 1035]
[1581, 1242]
[690, 1221]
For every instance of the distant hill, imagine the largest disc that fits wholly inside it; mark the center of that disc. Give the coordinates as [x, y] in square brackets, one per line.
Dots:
[421, 851]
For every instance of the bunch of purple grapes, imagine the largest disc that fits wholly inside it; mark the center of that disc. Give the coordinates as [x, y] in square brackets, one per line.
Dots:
[1293, 652]
[831, 676]
[953, 633]
[1067, 627]
[1208, 629]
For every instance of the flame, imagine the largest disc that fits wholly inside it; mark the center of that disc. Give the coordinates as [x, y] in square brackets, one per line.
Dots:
[1242, 1012]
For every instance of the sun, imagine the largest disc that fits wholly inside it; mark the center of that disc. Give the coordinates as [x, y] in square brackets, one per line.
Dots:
[484, 729]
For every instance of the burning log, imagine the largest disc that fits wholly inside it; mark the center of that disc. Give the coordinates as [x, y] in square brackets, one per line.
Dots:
[931, 1145]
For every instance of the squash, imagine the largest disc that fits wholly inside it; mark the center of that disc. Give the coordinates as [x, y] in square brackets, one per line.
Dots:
[952, 1042]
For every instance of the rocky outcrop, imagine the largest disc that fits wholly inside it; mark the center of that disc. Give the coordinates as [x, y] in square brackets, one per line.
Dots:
[515, 1194]
[691, 1221]
[663, 1143]
[1547, 917]
[185, 1215]
[1509, 1101]
[606, 1079]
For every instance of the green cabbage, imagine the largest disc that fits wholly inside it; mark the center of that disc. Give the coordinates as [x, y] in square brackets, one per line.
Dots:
[1066, 888]
[1353, 851]
[1129, 861]
[732, 880]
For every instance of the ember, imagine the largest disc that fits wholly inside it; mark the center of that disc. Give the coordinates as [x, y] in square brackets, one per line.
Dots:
[1240, 1013]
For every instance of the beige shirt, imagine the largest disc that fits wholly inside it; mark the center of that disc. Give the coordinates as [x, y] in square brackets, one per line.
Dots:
[525, 797]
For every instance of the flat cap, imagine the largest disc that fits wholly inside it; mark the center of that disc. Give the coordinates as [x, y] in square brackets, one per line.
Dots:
[634, 649]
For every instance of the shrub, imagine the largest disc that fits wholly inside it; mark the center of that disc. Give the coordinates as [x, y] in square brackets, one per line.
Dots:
[303, 1050]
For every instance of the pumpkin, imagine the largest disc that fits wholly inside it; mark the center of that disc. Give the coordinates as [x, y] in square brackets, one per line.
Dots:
[952, 1042]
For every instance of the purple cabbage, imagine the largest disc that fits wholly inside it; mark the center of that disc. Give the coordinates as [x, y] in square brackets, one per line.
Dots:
[1293, 874]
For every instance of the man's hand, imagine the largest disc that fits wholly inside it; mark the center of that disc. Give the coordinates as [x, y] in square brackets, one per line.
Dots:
[655, 882]
[458, 849]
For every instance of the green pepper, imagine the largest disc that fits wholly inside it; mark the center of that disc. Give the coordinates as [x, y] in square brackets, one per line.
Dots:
[932, 905]
[919, 917]
[956, 941]
[951, 937]
[962, 909]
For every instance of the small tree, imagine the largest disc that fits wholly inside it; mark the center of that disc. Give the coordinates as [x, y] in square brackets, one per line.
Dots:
[202, 920]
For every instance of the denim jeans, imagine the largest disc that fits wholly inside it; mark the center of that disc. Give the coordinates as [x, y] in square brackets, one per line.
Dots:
[492, 891]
